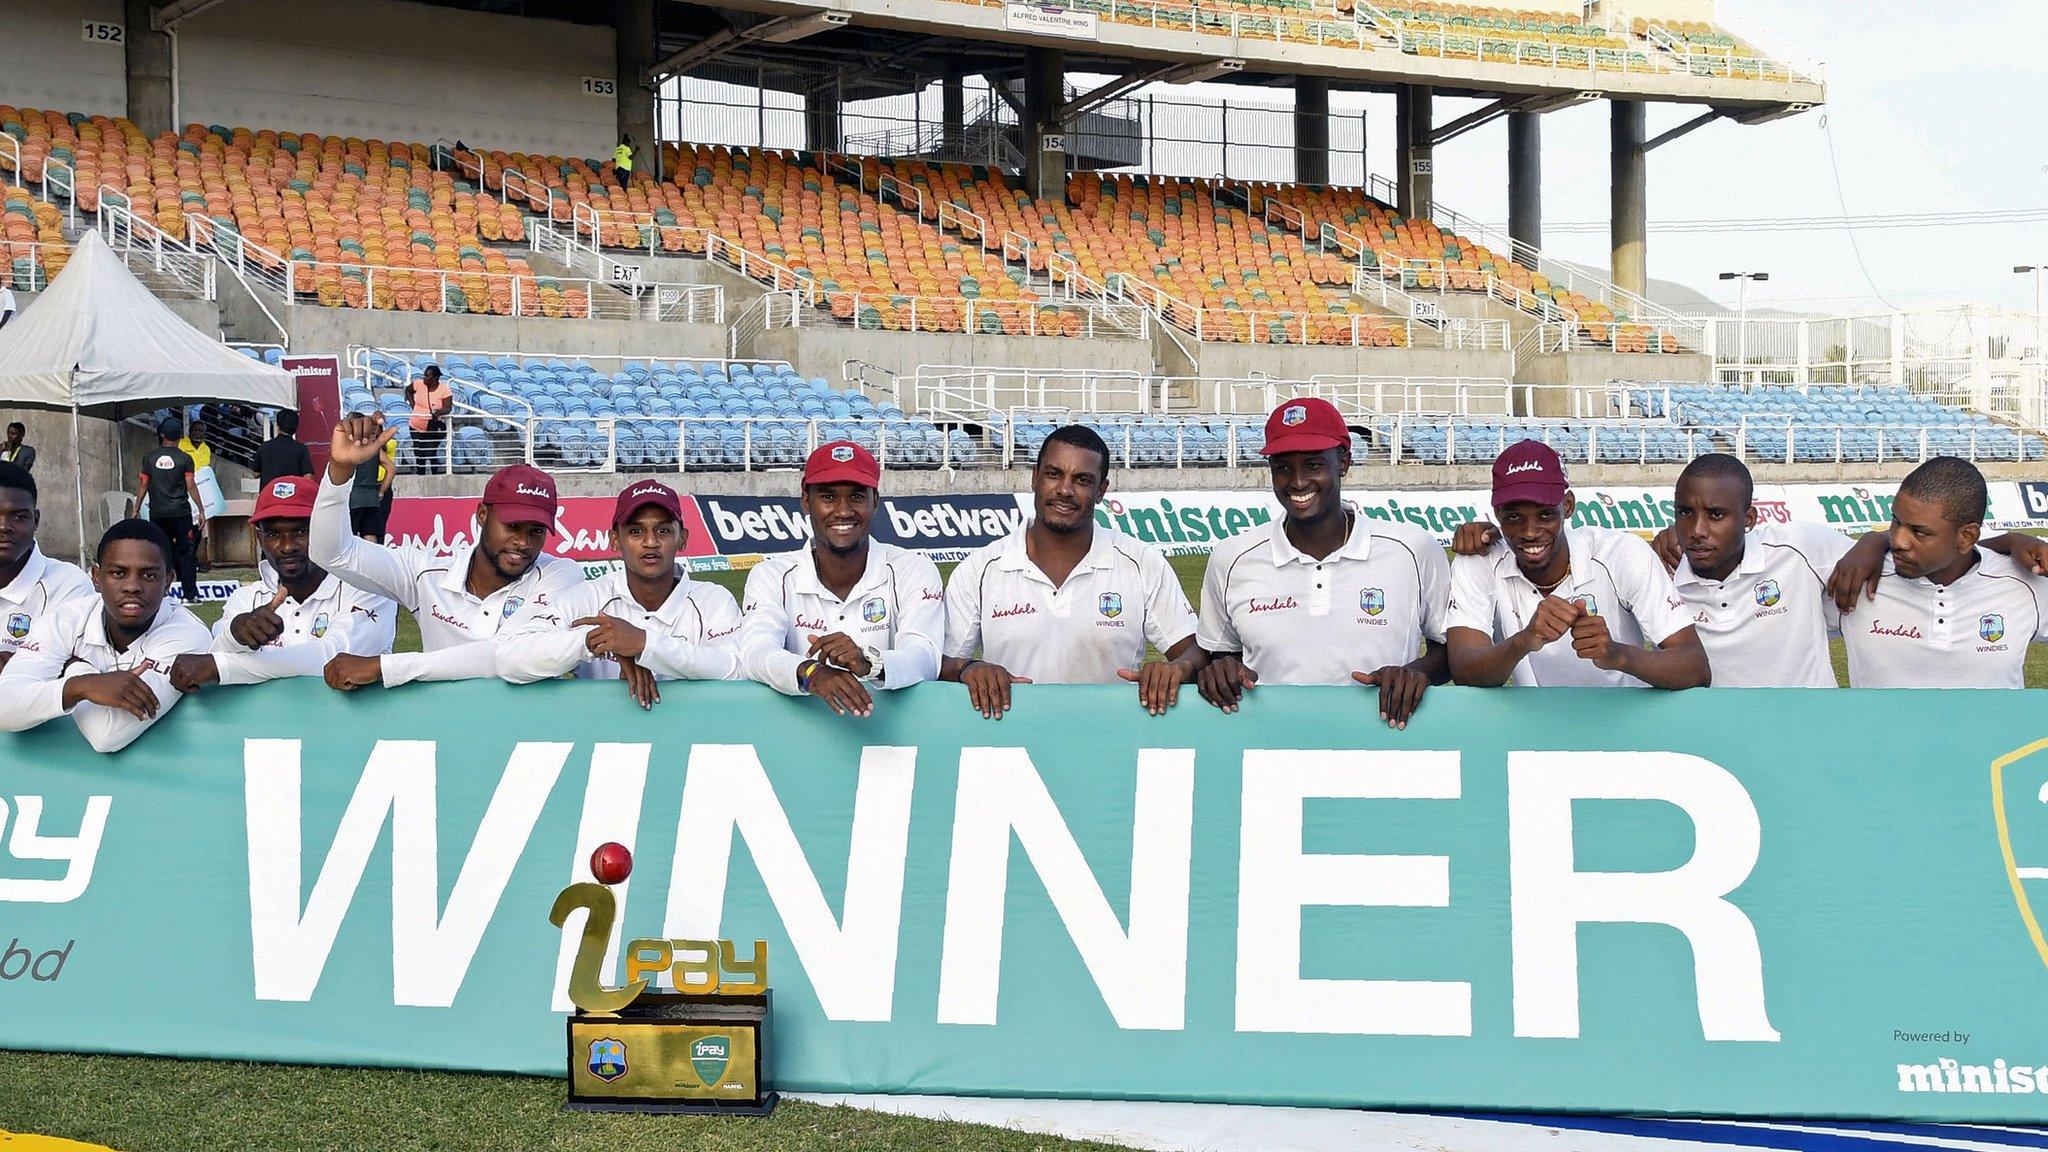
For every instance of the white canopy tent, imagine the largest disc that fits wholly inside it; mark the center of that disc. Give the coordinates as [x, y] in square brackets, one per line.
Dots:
[99, 344]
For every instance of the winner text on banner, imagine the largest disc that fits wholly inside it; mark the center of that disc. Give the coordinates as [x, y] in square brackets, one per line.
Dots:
[1738, 902]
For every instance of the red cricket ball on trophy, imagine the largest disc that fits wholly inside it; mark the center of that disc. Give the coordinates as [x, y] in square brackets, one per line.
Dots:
[611, 863]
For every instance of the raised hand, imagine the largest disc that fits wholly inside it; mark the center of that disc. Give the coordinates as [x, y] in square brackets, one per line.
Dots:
[259, 625]
[1592, 641]
[357, 440]
[1553, 618]
[1473, 538]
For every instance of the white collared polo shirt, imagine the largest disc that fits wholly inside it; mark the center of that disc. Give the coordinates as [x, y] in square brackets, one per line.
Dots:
[1121, 595]
[336, 618]
[896, 612]
[1970, 634]
[692, 636]
[43, 585]
[1613, 574]
[435, 589]
[32, 684]
[1294, 619]
[1767, 624]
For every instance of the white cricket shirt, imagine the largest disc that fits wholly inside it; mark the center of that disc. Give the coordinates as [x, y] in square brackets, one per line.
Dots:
[1613, 574]
[692, 636]
[43, 585]
[1767, 624]
[896, 611]
[337, 618]
[1295, 619]
[32, 684]
[457, 629]
[1970, 634]
[1122, 594]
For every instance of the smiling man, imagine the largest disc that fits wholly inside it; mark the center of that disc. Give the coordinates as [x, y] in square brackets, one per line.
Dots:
[846, 612]
[294, 617]
[1064, 600]
[1948, 613]
[643, 622]
[1554, 606]
[1326, 596]
[124, 639]
[32, 585]
[463, 601]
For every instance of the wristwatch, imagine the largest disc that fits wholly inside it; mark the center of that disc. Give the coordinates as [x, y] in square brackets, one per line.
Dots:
[875, 675]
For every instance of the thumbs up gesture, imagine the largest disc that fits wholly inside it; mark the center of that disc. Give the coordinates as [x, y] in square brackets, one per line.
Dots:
[260, 625]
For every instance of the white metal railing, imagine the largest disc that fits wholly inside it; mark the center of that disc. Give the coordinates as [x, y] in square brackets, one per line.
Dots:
[10, 151]
[782, 308]
[1491, 46]
[958, 390]
[1727, 62]
[510, 181]
[635, 232]
[967, 224]
[1472, 440]
[24, 264]
[764, 269]
[68, 185]
[141, 244]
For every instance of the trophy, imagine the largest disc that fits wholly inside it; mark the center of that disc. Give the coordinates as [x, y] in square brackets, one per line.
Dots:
[700, 1048]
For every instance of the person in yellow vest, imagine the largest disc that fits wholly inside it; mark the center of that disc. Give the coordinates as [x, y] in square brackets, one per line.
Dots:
[622, 161]
[431, 402]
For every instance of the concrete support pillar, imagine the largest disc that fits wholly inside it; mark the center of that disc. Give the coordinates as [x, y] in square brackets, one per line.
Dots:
[150, 66]
[952, 116]
[1311, 130]
[1525, 183]
[1416, 182]
[1629, 215]
[633, 54]
[1045, 80]
[821, 120]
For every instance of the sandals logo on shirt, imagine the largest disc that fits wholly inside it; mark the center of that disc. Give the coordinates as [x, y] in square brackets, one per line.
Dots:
[1372, 601]
[874, 610]
[17, 625]
[1766, 593]
[1111, 605]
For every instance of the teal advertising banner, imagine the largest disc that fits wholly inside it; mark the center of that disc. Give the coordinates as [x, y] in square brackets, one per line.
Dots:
[1720, 902]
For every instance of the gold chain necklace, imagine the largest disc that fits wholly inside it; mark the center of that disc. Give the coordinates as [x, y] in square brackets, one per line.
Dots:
[1558, 583]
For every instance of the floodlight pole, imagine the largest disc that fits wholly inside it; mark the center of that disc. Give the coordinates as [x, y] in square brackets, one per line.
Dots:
[1742, 280]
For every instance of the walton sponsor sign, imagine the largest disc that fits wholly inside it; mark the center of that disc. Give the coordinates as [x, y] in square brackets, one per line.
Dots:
[1538, 899]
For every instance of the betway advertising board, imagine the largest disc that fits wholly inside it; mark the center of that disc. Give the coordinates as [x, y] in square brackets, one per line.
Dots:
[728, 531]
[1720, 902]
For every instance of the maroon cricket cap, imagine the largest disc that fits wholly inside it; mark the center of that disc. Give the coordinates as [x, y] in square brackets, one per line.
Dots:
[285, 498]
[643, 494]
[1305, 425]
[843, 462]
[1529, 470]
[522, 494]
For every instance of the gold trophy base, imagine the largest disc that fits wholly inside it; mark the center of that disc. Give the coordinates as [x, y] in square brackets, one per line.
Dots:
[671, 1052]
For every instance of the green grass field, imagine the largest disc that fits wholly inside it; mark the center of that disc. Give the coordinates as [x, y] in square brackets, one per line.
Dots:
[1189, 568]
[139, 1104]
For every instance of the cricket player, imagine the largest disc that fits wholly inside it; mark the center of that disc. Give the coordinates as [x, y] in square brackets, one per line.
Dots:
[1946, 611]
[847, 613]
[644, 622]
[463, 601]
[124, 639]
[32, 585]
[1325, 595]
[1550, 605]
[1064, 600]
[294, 617]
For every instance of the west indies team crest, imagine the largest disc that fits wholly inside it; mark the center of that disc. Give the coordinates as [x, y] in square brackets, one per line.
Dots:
[1111, 605]
[1766, 593]
[320, 625]
[2019, 810]
[874, 610]
[17, 624]
[1991, 626]
[513, 604]
[1294, 414]
[607, 1059]
[1589, 602]
[1372, 601]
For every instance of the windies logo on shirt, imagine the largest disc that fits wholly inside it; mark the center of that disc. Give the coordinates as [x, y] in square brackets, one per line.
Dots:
[1766, 593]
[17, 625]
[1991, 626]
[1589, 602]
[320, 623]
[512, 604]
[1372, 601]
[1111, 605]
[874, 610]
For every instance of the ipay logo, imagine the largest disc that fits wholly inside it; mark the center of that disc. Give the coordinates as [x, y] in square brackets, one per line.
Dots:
[19, 880]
